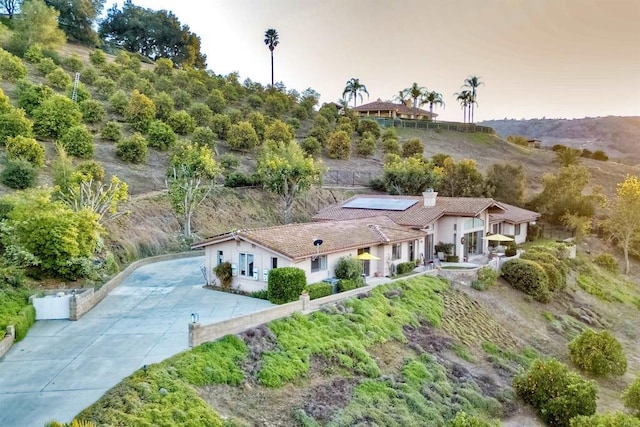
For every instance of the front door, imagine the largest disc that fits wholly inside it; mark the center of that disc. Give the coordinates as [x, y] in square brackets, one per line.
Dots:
[366, 263]
[428, 247]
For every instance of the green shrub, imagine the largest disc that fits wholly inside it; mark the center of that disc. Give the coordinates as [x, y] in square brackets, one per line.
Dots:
[112, 131]
[181, 99]
[224, 273]
[161, 136]
[555, 392]
[413, 147]
[631, 397]
[13, 124]
[319, 133]
[278, 131]
[28, 149]
[242, 136]
[350, 284]
[529, 277]
[91, 170]
[262, 294]
[598, 353]
[452, 258]
[294, 123]
[366, 146]
[92, 111]
[11, 67]
[34, 53]
[58, 78]
[348, 268]
[405, 267]
[55, 116]
[608, 262]
[19, 174]
[220, 124]
[286, 284]
[201, 113]
[132, 149]
[239, 179]
[607, 419]
[462, 419]
[600, 155]
[163, 67]
[82, 93]
[105, 86]
[556, 273]
[119, 101]
[140, 111]
[164, 106]
[46, 66]
[78, 141]
[128, 80]
[371, 126]
[339, 145]
[30, 96]
[487, 277]
[204, 136]
[319, 290]
[215, 101]
[73, 63]
[181, 122]
[229, 161]
[390, 146]
[311, 146]
[97, 58]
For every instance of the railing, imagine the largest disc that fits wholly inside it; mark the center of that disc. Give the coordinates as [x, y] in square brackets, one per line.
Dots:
[426, 124]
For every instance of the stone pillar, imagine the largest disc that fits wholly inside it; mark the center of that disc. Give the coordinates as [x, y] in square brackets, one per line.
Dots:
[11, 331]
[306, 302]
[73, 308]
[194, 332]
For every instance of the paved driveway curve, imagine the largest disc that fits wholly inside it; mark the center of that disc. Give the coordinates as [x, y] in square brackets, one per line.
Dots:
[61, 366]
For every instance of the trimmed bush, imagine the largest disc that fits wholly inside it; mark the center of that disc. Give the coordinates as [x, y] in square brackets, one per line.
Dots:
[58, 79]
[55, 116]
[608, 262]
[132, 149]
[119, 101]
[181, 122]
[349, 284]
[161, 136]
[30, 96]
[311, 146]
[319, 133]
[278, 131]
[487, 277]
[598, 353]
[405, 267]
[242, 136]
[348, 268]
[46, 66]
[216, 102]
[240, 179]
[13, 124]
[366, 146]
[140, 111]
[631, 397]
[19, 174]
[11, 67]
[462, 419]
[529, 277]
[204, 136]
[78, 141]
[201, 113]
[556, 272]
[229, 161]
[220, 124]
[390, 146]
[164, 106]
[607, 419]
[371, 126]
[28, 149]
[34, 53]
[286, 284]
[339, 145]
[98, 58]
[91, 170]
[413, 147]
[224, 273]
[112, 131]
[73, 63]
[319, 290]
[92, 111]
[555, 392]
[105, 86]
[452, 258]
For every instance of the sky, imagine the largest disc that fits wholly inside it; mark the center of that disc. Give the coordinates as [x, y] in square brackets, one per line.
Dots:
[537, 58]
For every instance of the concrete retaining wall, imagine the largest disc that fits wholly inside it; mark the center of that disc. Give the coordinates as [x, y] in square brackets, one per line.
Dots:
[8, 340]
[464, 277]
[82, 303]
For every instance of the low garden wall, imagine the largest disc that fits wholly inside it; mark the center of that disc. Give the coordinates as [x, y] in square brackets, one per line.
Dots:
[465, 275]
[7, 341]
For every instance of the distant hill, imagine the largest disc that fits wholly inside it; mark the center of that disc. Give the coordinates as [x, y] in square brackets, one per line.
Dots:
[619, 137]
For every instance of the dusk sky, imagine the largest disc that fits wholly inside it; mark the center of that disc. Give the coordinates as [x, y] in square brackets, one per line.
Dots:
[551, 58]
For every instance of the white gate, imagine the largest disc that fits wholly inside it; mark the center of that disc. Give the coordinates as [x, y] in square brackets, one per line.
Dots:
[52, 307]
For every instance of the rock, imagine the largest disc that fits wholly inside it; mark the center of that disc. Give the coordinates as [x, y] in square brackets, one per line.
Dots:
[586, 319]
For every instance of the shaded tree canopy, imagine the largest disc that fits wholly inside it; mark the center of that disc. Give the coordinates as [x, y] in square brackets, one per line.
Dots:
[154, 34]
[77, 17]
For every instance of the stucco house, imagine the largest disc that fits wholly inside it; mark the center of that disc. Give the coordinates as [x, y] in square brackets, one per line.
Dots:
[462, 221]
[313, 247]
[381, 108]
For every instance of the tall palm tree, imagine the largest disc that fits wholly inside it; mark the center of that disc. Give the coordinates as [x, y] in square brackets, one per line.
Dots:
[271, 40]
[464, 98]
[433, 98]
[472, 83]
[417, 93]
[355, 89]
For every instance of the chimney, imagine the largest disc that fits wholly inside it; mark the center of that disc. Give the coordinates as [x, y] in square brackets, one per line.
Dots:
[429, 198]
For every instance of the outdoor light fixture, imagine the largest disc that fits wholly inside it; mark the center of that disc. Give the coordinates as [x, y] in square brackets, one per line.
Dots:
[195, 317]
[317, 242]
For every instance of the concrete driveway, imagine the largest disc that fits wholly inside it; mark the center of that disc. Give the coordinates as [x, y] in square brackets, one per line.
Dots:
[62, 366]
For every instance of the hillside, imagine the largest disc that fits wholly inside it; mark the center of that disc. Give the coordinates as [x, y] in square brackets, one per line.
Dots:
[617, 136]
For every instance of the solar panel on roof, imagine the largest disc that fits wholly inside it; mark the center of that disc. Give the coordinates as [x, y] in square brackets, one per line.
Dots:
[382, 204]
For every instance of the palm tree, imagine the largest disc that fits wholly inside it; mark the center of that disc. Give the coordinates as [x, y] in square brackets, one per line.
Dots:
[354, 89]
[401, 97]
[472, 82]
[271, 40]
[417, 93]
[433, 98]
[464, 98]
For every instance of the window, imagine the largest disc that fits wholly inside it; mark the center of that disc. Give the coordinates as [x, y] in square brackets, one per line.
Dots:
[245, 264]
[274, 262]
[496, 229]
[318, 263]
[396, 251]
[220, 257]
[473, 223]
[517, 231]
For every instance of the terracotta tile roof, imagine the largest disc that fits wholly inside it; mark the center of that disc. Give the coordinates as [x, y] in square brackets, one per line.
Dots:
[415, 216]
[379, 105]
[295, 241]
[514, 215]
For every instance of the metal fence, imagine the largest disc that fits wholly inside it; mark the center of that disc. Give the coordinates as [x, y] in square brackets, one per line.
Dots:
[425, 124]
[349, 178]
